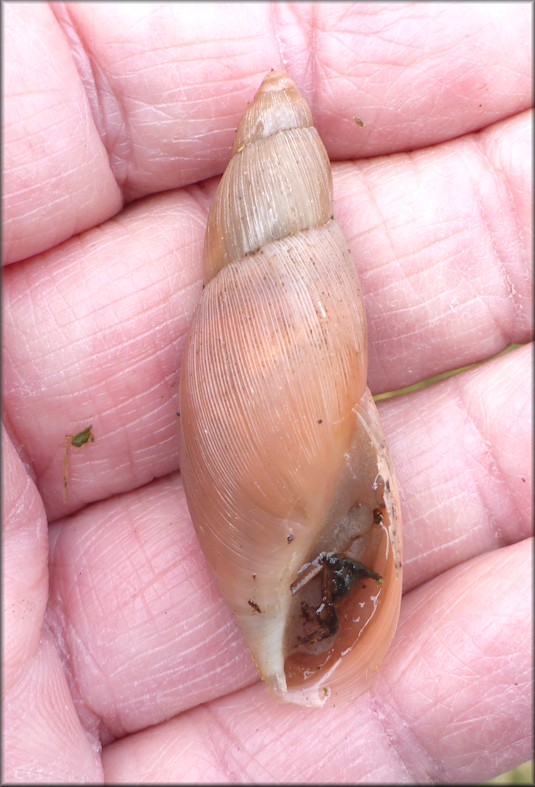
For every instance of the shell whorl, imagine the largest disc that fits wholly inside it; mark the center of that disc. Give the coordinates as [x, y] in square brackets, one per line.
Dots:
[278, 181]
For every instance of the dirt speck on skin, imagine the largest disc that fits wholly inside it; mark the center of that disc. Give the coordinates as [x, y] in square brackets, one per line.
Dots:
[78, 440]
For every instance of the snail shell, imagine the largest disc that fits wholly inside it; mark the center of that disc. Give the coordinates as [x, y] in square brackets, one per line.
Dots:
[287, 476]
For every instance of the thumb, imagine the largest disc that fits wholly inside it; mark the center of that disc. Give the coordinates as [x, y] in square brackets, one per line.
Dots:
[44, 740]
[25, 569]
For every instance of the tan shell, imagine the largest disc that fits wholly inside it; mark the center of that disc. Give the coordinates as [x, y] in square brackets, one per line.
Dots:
[283, 461]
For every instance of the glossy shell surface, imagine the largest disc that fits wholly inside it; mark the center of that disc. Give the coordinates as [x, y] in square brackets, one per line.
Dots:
[287, 475]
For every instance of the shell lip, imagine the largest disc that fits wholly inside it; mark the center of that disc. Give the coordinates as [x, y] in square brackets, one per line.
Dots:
[315, 695]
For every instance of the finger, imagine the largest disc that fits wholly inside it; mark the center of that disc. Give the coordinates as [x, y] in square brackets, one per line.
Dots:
[130, 586]
[442, 241]
[451, 703]
[121, 299]
[101, 347]
[57, 178]
[166, 118]
[25, 567]
[463, 683]
[422, 65]
[132, 599]
[44, 740]
[462, 451]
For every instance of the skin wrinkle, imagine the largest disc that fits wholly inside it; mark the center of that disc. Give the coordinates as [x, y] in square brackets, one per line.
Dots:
[223, 758]
[281, 733]
[56, 199]
[56, 628]
[221, 749]
[119, 349]
[52, 124]
[506, 339]
[458, 390]
[437, 773]
[390, 727]
[303, 32]
[430, 441]
[277, 34]
[38, 674]
[233, 657]
[120, 725]
[47, 144]
[519, 229]
[474, 717]
[499, 263]
[114, 157]
[513, 213]
[433, 244]
[71, 643]
[383, 224]
[422, 555]
[96, 84]
[133, 517]
[313, 62]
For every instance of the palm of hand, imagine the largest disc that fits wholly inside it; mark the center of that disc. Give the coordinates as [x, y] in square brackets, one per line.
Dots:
[113, 623]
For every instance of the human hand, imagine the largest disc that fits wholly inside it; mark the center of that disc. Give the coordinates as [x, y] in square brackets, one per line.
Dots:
[115, 635]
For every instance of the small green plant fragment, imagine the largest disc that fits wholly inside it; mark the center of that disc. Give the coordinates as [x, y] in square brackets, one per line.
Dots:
[84, 437]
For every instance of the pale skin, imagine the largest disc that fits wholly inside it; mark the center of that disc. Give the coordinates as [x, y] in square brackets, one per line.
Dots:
[121, 661]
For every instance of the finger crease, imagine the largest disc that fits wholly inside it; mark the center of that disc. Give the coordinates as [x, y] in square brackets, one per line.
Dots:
[102, 98]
